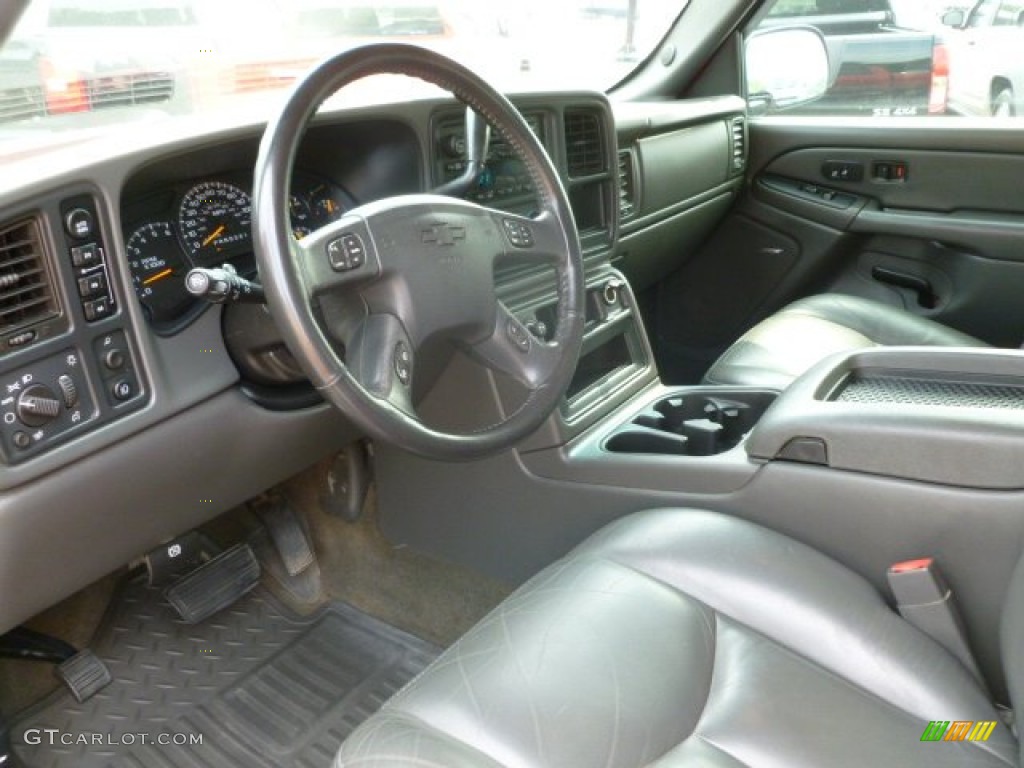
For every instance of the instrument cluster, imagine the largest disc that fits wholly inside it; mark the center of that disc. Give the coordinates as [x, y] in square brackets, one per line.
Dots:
[207, 223]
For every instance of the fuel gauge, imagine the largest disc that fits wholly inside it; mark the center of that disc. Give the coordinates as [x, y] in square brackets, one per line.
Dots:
[158, 271]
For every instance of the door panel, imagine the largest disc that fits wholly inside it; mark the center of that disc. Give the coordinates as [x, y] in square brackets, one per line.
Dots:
[924, 214]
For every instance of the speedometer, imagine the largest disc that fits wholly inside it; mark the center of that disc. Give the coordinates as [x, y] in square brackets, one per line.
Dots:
[214, 219]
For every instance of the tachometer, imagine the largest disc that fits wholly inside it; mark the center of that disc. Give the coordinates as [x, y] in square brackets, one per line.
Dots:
[158, 270]
[214, 218]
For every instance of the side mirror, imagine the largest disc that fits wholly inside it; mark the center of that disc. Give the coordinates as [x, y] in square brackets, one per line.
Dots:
[954, 18]
[786, 68]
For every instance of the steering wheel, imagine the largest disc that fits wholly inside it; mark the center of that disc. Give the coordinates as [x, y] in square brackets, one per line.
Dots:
[408, 270]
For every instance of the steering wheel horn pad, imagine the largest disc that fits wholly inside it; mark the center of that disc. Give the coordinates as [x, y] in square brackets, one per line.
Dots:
[412, 268]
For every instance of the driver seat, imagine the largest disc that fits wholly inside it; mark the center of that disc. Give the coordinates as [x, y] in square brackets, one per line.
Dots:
[680, 637]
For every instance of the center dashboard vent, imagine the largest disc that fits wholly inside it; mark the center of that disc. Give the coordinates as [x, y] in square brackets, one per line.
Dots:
[583, 143]
[26, 293]
[738, 137]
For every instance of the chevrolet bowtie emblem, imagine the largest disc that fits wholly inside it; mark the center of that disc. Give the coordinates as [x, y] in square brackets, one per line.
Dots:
[443, 234]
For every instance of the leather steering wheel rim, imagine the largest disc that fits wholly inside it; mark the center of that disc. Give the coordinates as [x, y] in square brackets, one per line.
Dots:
[365, 386]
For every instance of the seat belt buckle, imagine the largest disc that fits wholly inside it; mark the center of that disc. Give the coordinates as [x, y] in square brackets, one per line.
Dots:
[925, 600]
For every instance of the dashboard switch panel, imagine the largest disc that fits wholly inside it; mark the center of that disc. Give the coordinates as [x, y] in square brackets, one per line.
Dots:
[117, 370]
[88, 258]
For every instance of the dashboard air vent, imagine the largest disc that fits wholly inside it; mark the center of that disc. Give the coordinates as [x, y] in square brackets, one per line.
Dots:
[26, 295]
[583, 143]
[627, 185]
[738, 131]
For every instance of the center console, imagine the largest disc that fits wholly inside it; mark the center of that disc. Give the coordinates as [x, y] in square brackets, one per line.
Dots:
[940, 415]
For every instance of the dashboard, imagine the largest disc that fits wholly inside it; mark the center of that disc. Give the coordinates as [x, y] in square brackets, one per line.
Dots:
[127, 413]
[207, 222]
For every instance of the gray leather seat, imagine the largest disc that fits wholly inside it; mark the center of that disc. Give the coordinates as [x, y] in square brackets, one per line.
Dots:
[778, 349]
[690, 638]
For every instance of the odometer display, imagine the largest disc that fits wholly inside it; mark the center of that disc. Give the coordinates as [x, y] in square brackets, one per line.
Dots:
[215, 220]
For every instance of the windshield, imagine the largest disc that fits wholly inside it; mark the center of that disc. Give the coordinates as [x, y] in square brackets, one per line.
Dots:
[87, 65]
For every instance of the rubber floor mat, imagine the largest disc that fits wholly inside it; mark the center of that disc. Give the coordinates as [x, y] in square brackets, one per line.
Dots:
[254, 685]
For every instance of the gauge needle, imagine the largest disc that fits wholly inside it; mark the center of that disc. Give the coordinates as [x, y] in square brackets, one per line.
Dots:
[158, 276]
[214, 235]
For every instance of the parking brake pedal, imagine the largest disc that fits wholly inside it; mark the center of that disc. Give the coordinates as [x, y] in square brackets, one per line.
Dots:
[215, 585]
[84, 674]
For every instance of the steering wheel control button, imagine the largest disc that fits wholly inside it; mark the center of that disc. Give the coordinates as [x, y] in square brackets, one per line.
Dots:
[122, 389]
[518, 335]
[38, 405]
[87, 255]
[403, 363]
[519, 234]
[79, 223]
[68, 390]
[346, 252]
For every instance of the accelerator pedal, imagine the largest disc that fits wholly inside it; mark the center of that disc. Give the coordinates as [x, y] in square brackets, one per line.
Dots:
[215, 585]
[84, 674]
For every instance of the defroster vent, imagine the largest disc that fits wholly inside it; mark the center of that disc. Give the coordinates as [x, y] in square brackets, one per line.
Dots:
[26, 293]
[583, 143]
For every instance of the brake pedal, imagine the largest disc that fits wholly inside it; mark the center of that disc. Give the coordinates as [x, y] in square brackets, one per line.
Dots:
[215, 585]
[286, 531]
[84, 674]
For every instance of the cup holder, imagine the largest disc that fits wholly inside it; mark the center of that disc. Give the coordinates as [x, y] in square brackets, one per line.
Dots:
[698, 422]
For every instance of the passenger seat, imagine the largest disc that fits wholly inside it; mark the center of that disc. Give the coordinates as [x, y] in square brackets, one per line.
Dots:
[778, 349]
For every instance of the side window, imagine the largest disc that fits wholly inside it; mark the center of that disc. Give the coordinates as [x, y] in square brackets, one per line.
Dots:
[1009, 15]
[984, 14]
[890, 58]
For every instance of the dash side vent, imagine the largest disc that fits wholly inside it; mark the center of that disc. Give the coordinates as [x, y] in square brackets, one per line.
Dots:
[583, 143]
[26, 293]
[738, 136]
[627, 185]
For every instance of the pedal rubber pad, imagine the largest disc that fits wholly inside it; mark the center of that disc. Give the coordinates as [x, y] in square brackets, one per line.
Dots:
[84, 674]
[215, 585]
[288, 535]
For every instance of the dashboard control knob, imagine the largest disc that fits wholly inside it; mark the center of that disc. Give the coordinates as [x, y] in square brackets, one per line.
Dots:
[122, 390]
[454, 145]
[38, 405]
[68, 390]
[79, 224]
[114, 360]
[611, 292]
